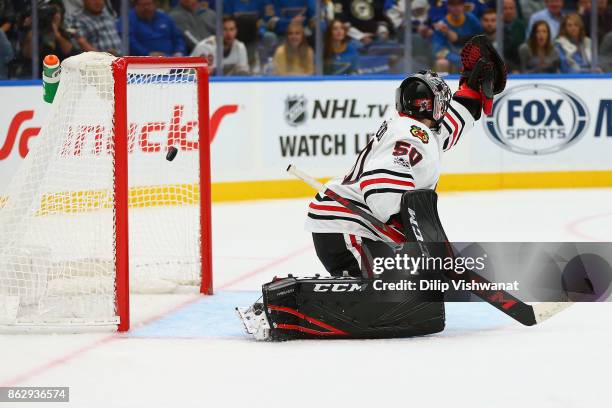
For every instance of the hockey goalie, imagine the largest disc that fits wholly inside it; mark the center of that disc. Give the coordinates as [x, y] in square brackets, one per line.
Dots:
[393, 180]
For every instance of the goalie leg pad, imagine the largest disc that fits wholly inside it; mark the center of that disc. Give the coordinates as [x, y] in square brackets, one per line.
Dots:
[426, 236]
[419, 215]
[348, 307]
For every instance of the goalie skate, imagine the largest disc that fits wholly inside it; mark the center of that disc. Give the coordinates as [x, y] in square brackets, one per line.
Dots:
[255, 321]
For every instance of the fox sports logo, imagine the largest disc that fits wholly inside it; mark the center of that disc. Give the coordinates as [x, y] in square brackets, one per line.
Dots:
[537, 119]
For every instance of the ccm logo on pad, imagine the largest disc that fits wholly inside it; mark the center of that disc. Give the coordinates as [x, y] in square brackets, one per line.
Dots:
[339, 287]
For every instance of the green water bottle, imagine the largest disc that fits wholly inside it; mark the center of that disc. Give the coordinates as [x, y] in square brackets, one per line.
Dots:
[50, 77]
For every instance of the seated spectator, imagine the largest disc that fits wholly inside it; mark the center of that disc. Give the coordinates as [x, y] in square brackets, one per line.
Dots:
[552, 14]
[281, 13]
[235, 60]
[367, 20]
[421, 23]
[294, 57]
[604, 18]
[6, 55]
[488, 21]
[538, 54]
[327, 8]
[52, 37]
[605, 53]
[207, 49]
[249, 16]
[526, 8]
[72, 7]
[195, 21]
[450, 34]
[573, 45]
[95, 28]
[514, 32]
[478, 7]
[152, 32]
[514, 35]
[421, 31]
[584, 7]
[7, 15]
[437, 11]
[340, 57]
[16, 23]
[439, 8]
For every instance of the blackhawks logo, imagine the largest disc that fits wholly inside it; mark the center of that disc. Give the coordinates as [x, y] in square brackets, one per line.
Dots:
[419, 133]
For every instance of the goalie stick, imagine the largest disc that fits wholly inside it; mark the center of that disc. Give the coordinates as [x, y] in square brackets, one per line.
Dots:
[520, 311]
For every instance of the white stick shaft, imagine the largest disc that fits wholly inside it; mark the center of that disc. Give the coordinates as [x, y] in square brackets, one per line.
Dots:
[546, 310]
[301, 175]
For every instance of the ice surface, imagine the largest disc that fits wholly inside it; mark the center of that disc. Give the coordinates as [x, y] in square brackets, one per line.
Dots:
[190, 351]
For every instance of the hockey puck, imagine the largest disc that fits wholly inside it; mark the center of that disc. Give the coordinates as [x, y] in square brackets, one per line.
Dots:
[172, 151]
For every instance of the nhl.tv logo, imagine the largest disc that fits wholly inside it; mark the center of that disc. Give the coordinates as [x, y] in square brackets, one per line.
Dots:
[296, 111]
[537, 119]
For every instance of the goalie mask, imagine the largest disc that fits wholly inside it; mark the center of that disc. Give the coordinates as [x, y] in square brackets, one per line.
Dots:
[423, 95]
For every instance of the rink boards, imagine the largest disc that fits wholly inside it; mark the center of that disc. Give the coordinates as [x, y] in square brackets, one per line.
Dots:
[544, 132]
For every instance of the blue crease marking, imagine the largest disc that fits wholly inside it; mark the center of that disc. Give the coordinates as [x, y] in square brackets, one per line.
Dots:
[211, 316]
[214, 317]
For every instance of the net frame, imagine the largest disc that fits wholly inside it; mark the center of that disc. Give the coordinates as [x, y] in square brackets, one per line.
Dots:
[28, 268]
[120, 68]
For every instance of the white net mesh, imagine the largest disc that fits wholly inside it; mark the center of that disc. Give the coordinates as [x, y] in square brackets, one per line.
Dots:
[57, 232]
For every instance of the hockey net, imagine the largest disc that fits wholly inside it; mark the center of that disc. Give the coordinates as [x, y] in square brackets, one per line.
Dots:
[95, 208]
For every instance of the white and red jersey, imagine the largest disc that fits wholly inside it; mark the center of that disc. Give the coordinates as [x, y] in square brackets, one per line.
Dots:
[404, 155]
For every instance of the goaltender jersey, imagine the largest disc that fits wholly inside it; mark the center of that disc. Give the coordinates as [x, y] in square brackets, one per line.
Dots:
[403, 155]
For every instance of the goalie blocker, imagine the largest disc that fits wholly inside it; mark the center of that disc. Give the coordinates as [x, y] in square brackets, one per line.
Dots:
[383, 306]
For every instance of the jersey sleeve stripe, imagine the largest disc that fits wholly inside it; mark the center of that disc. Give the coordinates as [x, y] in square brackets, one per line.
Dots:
[389, 172]
[382, 191]
[391, 233]
[457, 115]
[335, 217]
[368, 182]
[330, 208]
[455, 128]
[450, 132]
[320, 198]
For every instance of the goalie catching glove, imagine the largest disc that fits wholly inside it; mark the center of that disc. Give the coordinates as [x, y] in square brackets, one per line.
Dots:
[483, 75]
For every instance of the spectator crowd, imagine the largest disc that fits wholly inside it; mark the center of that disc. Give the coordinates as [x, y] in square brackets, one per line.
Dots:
[277, 37]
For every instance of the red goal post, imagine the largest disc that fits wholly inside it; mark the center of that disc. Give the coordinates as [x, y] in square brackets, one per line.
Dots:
[120, 74]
